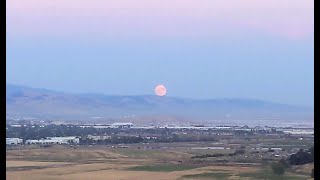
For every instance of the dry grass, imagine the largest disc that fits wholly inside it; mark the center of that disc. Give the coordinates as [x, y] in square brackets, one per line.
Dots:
[306, 169]
[32, 163]
[65, 163]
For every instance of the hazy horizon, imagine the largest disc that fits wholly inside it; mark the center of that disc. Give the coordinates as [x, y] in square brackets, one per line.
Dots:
[197, 49]
[152, 94]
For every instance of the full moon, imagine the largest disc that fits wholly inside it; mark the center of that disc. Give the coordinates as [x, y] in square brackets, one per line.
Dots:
[160, 90]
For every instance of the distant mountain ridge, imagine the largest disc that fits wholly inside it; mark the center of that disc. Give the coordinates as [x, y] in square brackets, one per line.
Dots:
[24, 101]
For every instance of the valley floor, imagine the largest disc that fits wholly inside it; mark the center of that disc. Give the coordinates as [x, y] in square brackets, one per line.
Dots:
[101, 162]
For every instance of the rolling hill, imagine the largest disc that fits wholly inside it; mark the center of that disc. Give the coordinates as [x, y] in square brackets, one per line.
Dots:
[38, 103]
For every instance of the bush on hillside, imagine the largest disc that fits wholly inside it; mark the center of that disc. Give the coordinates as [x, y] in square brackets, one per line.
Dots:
[278, 168]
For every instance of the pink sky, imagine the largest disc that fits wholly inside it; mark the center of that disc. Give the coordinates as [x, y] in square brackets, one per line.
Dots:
[292, 19]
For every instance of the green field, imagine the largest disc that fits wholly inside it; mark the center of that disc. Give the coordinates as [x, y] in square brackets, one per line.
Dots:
[268, 174]
[209, 175]
[162, 168]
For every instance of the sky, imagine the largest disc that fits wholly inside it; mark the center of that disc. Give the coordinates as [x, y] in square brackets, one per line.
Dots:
[196, 48]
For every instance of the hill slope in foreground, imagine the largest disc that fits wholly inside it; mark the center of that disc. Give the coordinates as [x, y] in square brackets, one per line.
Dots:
[24, 101]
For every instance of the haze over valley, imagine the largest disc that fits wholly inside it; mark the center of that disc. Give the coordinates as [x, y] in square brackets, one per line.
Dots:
[24, 102]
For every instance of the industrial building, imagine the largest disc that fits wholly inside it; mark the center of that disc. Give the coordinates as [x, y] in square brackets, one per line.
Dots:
[13, 141]
[96, 138]
[43, 141]
[55, 140]
[121, 125]
[66, 140]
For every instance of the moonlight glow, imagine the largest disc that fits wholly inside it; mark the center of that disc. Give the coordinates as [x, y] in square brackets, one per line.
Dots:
[160, 90]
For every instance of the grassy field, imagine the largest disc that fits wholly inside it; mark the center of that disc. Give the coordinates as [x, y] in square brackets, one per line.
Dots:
[101, 162]
[162, 168]
[208, 175]
[267, 174]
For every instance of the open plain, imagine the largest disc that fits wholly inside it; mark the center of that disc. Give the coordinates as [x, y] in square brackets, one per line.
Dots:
[163, 161]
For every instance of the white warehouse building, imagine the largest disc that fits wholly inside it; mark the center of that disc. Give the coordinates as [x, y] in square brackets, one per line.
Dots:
[66, 140]
[121, 125]
[55, 140]
[96, 138]
[13, 141]
[43, 141]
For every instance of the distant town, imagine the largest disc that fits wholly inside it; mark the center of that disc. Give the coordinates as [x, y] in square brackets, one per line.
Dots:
[30, 132]
[268, 150]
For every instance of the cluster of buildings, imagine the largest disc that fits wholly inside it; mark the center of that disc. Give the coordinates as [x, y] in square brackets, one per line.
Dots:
[96, 138]
[114, 125]
[47, 141]
[14, 141]
[189, 129]
[302, 131]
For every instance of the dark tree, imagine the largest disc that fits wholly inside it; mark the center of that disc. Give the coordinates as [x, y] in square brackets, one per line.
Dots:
[302, 157]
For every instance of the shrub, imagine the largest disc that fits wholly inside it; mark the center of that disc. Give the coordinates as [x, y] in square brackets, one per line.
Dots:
[207, 155]
[278, 168]
[285, 163]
